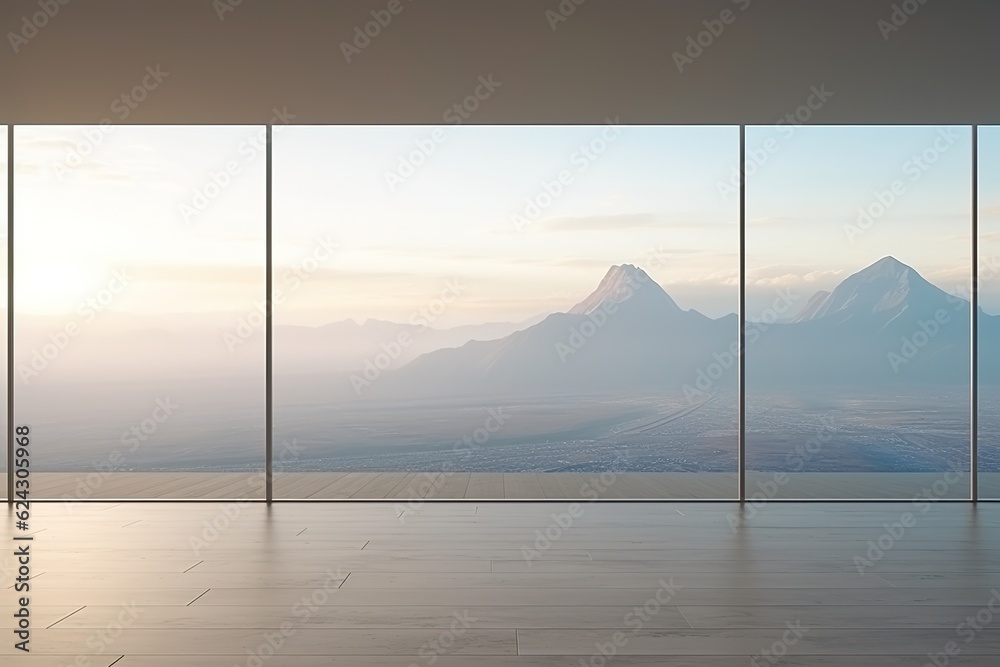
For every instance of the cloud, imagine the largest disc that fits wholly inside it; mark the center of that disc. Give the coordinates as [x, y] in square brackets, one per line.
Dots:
[45, 143]
[69, 152]
[89, 170]
[728, 278]
[788, 275]
[101, 171]
[617, 222]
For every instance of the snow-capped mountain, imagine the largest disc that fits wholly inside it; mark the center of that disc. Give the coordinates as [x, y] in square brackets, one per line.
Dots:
[883, 324]
[880, 292]
[622, 283]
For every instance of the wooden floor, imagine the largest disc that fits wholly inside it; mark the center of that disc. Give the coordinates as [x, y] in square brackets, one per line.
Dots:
[486, 486]
[507, 585]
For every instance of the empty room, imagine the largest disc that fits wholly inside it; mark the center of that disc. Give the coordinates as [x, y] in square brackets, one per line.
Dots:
[574, 333]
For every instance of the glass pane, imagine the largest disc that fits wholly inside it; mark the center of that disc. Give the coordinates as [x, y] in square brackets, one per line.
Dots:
[3, 326]
[858, 278]
[506, 312]
[140, 264]
[989, 315]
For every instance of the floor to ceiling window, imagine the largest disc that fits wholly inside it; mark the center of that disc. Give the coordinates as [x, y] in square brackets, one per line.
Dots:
[989, 314]
[3, 288]
[505, 311]
[139, 284]
[519, 312]
[858, 285]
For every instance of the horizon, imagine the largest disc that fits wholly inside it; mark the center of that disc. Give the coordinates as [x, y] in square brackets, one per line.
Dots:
[144, 318]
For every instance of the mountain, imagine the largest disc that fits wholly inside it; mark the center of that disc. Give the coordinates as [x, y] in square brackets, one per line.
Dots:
[628, 335]
[815, 302]
[623, 283]
[877, 294]
[884, 325]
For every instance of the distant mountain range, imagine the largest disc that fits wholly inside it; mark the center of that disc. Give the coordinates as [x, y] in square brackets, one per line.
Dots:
[345, 346]
[883, 325]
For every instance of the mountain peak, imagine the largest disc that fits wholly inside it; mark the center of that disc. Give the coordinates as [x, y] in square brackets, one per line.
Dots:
[888, 265]
[621, 283]
[622, 275]
[629, 269]
[885, 288]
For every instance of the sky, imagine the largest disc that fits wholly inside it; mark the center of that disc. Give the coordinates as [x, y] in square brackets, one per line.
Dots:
[806, 206]
[91, 203]
[645, 196]
[355, 237]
